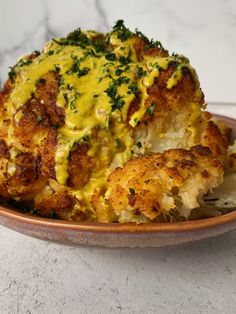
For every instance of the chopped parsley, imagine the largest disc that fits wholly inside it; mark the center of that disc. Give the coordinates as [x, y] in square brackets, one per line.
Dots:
[110, 56]
[133, 88]
[118, 143]
[139, 144]
[79, 38]
[57, 68]
[85, 138]
[151, 108]
[154, 44]
[117, 103]
[72, 101]
[75, 65]
[82, 72]
[75, 68]
[75, 38]
[12, 74]
[124, 60]
[111, 90]
[39, 119]
[41, 81]
[118, 71]
[140, 34]
[99, 46]
[122, 80]
[157, 66]
[90, 53]
[123, 33]
[23, 62]
[140, 72]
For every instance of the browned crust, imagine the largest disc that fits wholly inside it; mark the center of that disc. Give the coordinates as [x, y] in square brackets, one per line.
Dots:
[143, 181]
[80, 166]
[141, 48]
[214, 139]
[47, 95]
[47, 155]
[61, 203]
[25, 175]
[33, 120]
[4, 94]
[4, 152]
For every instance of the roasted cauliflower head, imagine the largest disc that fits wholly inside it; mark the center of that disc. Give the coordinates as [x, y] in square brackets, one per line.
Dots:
[108, 128]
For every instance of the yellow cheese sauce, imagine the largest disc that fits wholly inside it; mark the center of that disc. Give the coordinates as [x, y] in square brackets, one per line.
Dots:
[96, 90]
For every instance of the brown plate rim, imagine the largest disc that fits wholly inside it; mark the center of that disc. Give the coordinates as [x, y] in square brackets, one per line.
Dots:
[193, 225]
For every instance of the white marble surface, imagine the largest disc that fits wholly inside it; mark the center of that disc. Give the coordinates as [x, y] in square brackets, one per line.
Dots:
[39, 277]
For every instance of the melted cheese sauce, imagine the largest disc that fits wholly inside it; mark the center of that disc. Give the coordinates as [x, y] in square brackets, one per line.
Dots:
[86, 77]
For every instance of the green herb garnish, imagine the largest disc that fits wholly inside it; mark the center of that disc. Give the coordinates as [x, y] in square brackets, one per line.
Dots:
[39, 119]
[124, 60]
[122, 80]
[140, 72]
[118, 72]
[12, 74]
[111, 90]
[77, 37]
[110, 56]
[117, 103]
[154, 44]
[118, 143]
[72, 101]
[139, 144]
[157, 66]
[133, 88]
[23, 62]
[151, 108]
[85, 138]
[123, 33]
[41, 81]
[99, 46]
[84, 71]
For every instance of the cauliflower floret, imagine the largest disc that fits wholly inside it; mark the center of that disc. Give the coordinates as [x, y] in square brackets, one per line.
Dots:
[155, 184]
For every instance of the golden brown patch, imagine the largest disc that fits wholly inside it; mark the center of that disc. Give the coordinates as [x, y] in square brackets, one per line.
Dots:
[151, 184]
[4, 152]
[215, 140]
[47, 154]
[33, 120]
[80, 166]
[25, 175]
[61, 203]
[47, 95]
[4, 94]
[141, 47]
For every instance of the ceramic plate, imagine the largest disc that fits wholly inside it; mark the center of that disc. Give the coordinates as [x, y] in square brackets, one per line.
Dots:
[120, 235]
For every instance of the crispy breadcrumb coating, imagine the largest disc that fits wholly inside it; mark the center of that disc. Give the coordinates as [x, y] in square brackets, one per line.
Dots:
[148, 186]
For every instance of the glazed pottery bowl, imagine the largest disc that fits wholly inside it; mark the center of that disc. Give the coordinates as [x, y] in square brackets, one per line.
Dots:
[120, 235]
